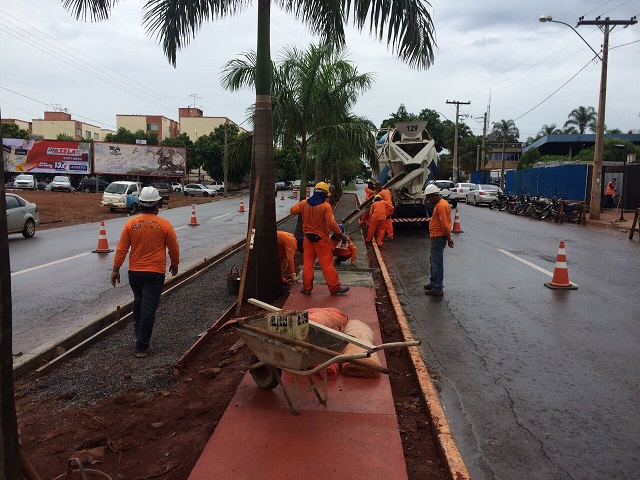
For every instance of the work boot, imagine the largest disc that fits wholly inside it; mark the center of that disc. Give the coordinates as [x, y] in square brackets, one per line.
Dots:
[387, 239]
[305, 292]
[437, 293]
[340, 290]
[428, 286]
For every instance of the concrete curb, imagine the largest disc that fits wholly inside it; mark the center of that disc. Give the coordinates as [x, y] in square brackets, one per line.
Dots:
[448, 446]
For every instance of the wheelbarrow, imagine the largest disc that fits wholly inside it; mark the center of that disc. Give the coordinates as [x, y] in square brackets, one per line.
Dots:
[273, 353]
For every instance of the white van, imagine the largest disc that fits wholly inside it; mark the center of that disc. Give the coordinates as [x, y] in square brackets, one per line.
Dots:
[122, 195]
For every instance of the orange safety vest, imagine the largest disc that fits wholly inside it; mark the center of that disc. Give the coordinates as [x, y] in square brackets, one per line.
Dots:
[610, 190]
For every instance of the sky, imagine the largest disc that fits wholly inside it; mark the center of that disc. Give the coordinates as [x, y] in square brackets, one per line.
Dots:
[494, 54]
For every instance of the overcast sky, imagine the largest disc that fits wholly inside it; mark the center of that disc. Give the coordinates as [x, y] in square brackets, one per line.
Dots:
[490, 53]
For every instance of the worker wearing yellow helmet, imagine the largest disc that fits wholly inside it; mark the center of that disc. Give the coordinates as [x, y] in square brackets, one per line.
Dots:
[317, 224]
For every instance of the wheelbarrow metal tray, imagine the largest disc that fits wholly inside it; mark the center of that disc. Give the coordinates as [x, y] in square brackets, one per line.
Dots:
[283, 355]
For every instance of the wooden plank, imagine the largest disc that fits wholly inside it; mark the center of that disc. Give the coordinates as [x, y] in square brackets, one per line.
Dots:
[248, 246]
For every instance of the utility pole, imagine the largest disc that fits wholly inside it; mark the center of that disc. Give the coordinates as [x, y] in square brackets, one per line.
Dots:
[606, 26]
[455, 140]
[484, 146]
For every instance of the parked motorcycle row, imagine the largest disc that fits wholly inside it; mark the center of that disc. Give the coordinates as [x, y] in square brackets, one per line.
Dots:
[538, 207]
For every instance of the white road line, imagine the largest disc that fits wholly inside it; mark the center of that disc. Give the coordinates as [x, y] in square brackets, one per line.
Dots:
[219, 216]
[529, 264]
[49, 264]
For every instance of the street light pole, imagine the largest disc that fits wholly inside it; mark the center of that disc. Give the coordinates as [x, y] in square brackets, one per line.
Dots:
[596, 176]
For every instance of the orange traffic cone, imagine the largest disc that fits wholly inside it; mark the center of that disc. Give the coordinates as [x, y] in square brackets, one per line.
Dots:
[103, 245]
[241, 206]
[282, 196]
[456, 224]
[560, 280]
[193, 222]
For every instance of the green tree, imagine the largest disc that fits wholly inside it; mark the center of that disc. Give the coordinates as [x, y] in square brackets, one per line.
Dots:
[12, 130]
[505, 131]
[65, 137]
[124, 135]
[582, 118]
[409, 31]
[401, 115]
[529, 158]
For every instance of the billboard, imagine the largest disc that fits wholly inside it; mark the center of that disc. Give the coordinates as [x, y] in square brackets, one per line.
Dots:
[46, 156]
[128, 159]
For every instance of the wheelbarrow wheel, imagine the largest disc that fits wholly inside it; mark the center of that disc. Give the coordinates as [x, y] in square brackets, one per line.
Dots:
[264, 376]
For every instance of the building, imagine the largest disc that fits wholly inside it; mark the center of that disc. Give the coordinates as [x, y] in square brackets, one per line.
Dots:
[57, 123]
[163, 127]
[512, 150]
[22, 124]
[195, 124]
[570, 145]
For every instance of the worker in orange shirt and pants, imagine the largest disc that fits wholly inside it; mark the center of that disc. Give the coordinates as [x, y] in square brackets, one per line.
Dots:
[287, 246]
[343, 251]
[317, 222]
[369, 190]
[378, 213]
[386, 196]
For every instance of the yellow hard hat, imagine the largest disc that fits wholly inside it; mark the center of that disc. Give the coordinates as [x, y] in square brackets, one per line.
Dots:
[322, 186]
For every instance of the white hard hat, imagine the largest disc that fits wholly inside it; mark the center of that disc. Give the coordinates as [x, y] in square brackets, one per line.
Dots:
[431, 188]
[149, 196]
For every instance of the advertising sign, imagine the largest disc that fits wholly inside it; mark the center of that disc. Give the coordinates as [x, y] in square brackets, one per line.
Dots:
[128, 159]
[46, 156]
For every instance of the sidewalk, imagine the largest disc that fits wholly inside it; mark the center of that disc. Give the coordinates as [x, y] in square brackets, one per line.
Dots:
[611, 219]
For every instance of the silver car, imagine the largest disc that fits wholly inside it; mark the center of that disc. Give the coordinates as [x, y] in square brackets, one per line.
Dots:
[60, 182]
[194, 189]
[22, 215]
[482, 193]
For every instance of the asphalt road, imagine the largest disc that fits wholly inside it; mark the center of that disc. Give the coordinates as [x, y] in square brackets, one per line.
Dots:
[536, 383]
[58, 285]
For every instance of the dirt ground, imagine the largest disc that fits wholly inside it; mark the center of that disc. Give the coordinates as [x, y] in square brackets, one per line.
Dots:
[159, 433]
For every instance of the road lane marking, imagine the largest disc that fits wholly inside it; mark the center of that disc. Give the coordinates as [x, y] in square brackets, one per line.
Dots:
[529, 264]
[27, 270]
[212, 218]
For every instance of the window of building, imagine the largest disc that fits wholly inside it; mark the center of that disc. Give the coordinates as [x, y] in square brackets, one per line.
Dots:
[79, 132]
[87, 134]
[153, 127]
[96, 137]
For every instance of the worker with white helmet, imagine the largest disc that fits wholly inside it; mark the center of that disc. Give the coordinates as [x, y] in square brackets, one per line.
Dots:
[439, 237]
[149, 237]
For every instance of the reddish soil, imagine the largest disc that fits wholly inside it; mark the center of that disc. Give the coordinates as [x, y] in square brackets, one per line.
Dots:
[159, 435]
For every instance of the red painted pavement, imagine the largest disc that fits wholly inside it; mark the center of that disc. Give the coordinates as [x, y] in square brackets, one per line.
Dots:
[354, 435]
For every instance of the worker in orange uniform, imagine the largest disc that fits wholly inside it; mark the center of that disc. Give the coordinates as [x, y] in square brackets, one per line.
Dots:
[378, 213]
[386, 196]
[149, 237]
[317, 222]
[343, 251]
[287, 246]
[609, 193]
[369, 190]
[439, 237]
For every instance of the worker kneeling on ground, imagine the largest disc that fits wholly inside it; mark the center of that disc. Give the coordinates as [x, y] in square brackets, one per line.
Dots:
[343, 251]
[378, 213]
[317, 222]
[288, 243]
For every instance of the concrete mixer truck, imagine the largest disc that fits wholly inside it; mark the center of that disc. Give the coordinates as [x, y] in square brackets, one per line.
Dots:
[407, 161]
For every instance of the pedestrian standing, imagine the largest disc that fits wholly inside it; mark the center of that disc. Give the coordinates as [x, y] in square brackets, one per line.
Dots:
[609, 192]
[148, 236]
[317, 223]
[439, 237]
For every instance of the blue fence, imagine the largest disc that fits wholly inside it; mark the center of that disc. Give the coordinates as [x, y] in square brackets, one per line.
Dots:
[565, 181]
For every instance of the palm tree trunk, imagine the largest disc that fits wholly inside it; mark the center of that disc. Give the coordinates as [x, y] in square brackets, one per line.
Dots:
[263, 279]
[9, 450]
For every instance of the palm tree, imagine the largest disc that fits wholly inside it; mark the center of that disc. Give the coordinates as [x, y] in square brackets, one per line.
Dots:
[505, 131]
[549, 130]
[582, 118]
[409, 31]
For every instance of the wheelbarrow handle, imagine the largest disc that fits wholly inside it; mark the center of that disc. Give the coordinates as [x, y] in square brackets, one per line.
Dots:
[310, 346]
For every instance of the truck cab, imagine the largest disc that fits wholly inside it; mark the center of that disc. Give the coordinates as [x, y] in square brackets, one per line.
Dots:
[122, 195]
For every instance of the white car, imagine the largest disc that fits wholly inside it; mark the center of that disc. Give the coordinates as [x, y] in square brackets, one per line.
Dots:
[25, 181]
[176, 187]
[217, 186]
[483, 193]
[461, 190]
[60, 182]
[194, 189]
[22, 215]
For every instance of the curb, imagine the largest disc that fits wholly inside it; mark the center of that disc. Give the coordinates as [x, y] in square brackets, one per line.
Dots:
[448, 446]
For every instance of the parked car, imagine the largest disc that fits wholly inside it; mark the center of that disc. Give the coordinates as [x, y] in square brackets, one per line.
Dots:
[446, 187]
[89, 185]
[22, 215]
[122, 195]
[359, 181]
[217, 186]
[483, 193]
[460, 190]
[9, 186]
[194, 189]
[288, 185]
[176, 187]
[24, 181]
[280, 186]
[164, 189]
[61, 183]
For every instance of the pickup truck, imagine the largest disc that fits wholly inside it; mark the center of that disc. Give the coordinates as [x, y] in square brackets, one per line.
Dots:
[122, 195]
